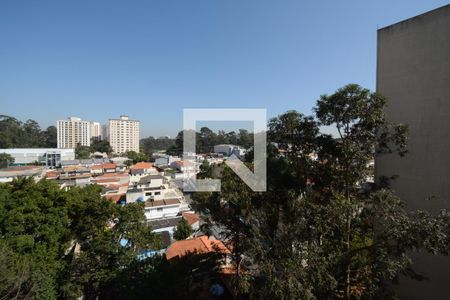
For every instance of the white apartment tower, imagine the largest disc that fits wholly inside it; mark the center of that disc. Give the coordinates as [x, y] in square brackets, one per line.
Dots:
[96, 131]
[123, 134]
[73, 132]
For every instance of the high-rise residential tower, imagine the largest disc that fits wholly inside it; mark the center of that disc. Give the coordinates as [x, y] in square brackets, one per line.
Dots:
[96, 131]
[123, 134]
[73, 132]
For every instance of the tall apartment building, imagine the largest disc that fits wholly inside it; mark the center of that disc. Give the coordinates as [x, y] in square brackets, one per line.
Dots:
[72, 132]
[413, 72]
[96, 131]
[123, 134]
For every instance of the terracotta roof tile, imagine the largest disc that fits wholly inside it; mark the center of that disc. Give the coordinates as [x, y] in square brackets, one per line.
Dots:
[142, 165]
[191, 218]
[197, 245]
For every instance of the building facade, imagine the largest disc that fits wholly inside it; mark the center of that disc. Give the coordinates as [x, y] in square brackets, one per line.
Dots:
[123, 134]
[49, 157]
[73, 132]
[413, 73]
[96, 131]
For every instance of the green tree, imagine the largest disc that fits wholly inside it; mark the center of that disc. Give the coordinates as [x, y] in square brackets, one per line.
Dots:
[102, 146]
[136, 157]
[320, 231]
[150, 144]
[17, 134]
[183, 230]
[6, 160]
[82, 152]
[98, 227]
[66, 244]
[33, 224]
[50, 137]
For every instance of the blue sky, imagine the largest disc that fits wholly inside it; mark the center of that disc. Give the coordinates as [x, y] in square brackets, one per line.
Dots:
[150, 59]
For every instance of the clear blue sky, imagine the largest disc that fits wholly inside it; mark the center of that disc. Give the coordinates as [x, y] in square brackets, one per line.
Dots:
[150, 59]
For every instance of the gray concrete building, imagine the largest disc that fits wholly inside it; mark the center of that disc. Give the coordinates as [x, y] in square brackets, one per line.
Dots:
[413, 72]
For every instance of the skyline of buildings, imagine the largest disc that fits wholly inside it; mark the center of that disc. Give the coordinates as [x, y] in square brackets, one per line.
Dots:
[122, 133]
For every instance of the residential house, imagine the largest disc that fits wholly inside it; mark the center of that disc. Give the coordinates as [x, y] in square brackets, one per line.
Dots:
[198, 245]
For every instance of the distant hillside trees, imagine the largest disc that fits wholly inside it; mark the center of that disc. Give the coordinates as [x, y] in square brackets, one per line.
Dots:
[151, 144]
[206, 139]
[28, 134]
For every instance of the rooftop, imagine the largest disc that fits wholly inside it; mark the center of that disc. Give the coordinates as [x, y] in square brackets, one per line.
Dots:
[142, 166]
[156, 203]
[200, 244]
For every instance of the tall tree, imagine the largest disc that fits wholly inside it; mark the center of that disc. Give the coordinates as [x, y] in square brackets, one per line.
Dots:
[50, 137]
[82, 152]
[102, 146]
[182, 231]
[320, 231]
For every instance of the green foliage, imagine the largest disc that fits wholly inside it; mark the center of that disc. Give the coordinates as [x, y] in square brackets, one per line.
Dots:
[65, 244]
[102, 146]
[150, 144]
[183, 230]
[188, 277]
[82, 152]
[320, 231]
[135, 157]
[6, 160]
[206, 139]
[17, 134]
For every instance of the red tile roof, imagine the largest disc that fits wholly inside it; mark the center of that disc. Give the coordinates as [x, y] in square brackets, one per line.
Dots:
[115, 197]
[183, 163]
[103, 166]
[191, 218]
[197, 245]
[52, 175]
[142, 166]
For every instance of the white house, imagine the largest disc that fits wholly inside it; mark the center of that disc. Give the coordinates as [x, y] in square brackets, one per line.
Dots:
[159, 209]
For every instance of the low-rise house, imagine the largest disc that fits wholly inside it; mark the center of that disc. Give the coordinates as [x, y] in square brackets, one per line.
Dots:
[142, 169]
[103, 168]
[169, 224]
[228, 150]
[74, 176]
[159, 209]
[192, 219]
[198, 245]
[112, 178]
[185, 169]
[11, 173]
[84, 162]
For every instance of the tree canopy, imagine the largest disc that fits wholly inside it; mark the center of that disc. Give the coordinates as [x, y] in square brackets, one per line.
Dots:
[206, 139]
[57, 243]
[28, 134]
[183, 230]
[321, 231]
